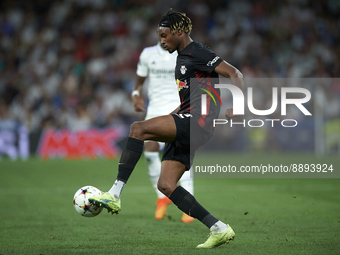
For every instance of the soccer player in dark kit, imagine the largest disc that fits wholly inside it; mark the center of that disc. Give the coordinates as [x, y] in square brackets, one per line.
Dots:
[194, 61]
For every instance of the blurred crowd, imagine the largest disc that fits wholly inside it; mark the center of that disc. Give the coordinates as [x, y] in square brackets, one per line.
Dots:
[72, 63]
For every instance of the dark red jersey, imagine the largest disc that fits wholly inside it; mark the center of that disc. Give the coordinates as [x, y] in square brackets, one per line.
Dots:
[194, 74]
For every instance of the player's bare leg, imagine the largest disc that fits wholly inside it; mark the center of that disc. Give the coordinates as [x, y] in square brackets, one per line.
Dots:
[171, 172]
[163, 202]
[151, 154]
[162, 129]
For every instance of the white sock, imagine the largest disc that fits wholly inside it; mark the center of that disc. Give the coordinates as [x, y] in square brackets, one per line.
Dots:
[219, 227]
[154, 167]
[116, 189]
[187, 182]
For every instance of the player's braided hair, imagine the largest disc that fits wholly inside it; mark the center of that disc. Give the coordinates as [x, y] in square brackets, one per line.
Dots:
[176, 21]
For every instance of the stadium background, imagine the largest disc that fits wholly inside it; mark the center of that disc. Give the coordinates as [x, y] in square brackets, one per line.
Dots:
[71, 64]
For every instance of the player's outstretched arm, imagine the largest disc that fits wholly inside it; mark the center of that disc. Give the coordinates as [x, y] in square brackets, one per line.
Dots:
[236, 77]
[138, 101]
[227, 70]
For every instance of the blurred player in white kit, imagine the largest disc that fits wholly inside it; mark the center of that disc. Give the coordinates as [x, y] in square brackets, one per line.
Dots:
[158, 65]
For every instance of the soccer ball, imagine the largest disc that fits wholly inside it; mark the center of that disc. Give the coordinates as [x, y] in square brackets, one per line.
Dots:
[82, 204]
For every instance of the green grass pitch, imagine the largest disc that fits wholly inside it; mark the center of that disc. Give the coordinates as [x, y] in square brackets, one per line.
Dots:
[269, 216]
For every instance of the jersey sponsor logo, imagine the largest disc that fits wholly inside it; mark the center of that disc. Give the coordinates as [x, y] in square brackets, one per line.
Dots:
[181, 84]
[162, 71]
[183, 69]
[210, 63]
